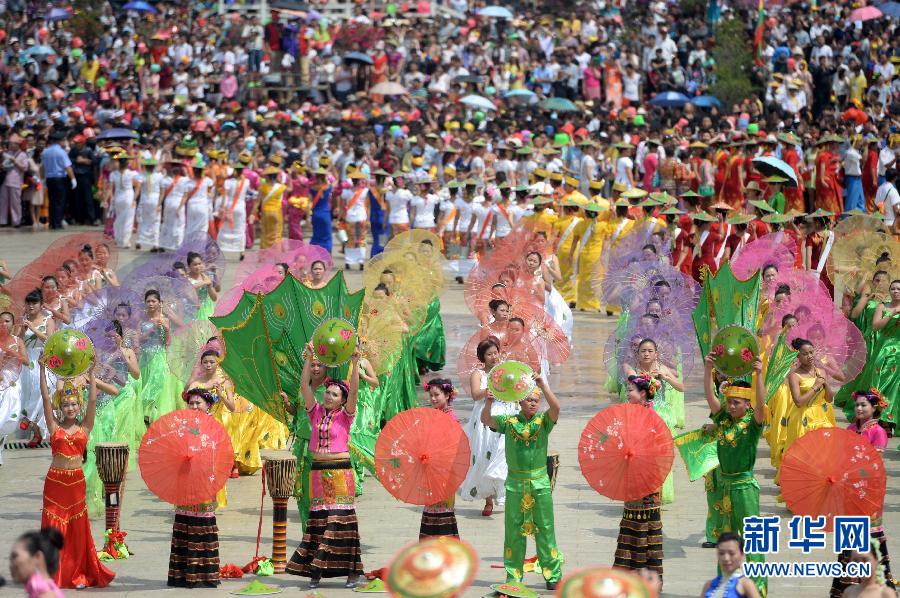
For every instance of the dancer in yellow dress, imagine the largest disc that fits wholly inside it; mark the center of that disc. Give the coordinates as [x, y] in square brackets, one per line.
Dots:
[778, 410]
[233, 411]
[562, 230]
[813, 399]
[269, 210]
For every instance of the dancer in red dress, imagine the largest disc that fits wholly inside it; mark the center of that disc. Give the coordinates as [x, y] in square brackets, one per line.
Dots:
[65, 507]
[828, 184]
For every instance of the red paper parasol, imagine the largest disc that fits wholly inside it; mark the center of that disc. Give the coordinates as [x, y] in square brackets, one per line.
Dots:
[185, 457]
[547, 338]
[30, 277]
[832, 471]
[422, 456]
[10, 366]
[626, 452]
[69, 246]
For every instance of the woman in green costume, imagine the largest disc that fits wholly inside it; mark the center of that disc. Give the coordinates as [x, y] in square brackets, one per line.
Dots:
[648, 364]
[160, 391]
[203, 284]
[738, 428]
[119, 413]
[881, 371]
[366, 424]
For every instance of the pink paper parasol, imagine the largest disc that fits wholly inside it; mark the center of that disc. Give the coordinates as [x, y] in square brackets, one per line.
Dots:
[512, 347]
[768, 250]
[840, 349]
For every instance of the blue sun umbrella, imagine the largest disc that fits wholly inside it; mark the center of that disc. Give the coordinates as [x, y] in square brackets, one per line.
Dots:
[771, 166]
[117, 134]
[479, 102]
[358, 57]
[58, 14]
[669, 99]
[706, 102]
[890, 9]
[559, 105]
[519, 93]
[140, 6]
[498, 12]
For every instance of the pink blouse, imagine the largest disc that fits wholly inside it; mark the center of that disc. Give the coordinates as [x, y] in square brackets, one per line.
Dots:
[873, 432]
[38, 584]
[330, 430]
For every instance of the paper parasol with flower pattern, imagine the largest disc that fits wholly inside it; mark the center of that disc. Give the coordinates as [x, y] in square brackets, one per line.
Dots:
[185, 457]
[626, 452]
[266, 333]
[511, 381]
[69, 353]
[734, 350]
[334, 342]
[435, 568]
[422, 456]
[600, 582]
[833, 471]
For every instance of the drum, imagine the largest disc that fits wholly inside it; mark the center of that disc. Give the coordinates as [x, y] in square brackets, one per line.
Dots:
[279, 472]
[112, 463]
[552, 469]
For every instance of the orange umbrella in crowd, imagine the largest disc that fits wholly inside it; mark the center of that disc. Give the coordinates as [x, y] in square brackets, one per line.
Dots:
[185, 457]
[422, 456]
[833, 472]
[626, 452]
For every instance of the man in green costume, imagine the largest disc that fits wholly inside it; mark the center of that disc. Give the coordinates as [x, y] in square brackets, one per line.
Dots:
[529, 503]
[738, 429]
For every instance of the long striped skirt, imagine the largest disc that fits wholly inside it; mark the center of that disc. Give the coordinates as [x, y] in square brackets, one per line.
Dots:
[640, 541]
[194, 559]
[439, 520]
[330, 546]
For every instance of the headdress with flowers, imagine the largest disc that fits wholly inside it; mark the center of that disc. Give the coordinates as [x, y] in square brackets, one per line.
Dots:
[446, 387]
[874, 396]
[652, 383]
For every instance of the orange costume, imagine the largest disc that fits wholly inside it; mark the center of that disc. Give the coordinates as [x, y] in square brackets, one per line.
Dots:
[870, 179]
[732, 188]
[793, 195]
[65, 509]
[721, 162]
[828, 184]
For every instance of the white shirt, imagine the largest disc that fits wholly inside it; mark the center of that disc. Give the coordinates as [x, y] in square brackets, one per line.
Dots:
[623, 166]
[398, 201]
[886, 157]
[504, 226]
[424, 207]
[464, 211]
[481, 229]
[851, 163]
[122, 182]
[356, 212]
[888, 196]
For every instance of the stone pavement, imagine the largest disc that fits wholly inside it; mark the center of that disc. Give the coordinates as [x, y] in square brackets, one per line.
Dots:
[587, 524]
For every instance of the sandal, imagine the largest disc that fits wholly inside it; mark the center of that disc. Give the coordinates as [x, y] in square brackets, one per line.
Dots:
[488, 509]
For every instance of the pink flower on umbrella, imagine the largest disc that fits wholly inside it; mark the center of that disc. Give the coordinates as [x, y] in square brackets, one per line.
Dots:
[346, 334]
[54, 362]
[81, 344]
[719, 350]
[747, 355]
[322, 349]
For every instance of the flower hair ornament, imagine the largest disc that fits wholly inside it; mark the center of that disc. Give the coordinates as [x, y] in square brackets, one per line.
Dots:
[446, 387]
[209, 397]
[652, 383]
[874, 396]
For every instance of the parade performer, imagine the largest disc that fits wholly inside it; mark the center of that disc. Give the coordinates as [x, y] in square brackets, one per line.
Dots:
[439, 519]
[197, 200]
[269, 210]
[331, 544]
[36, 326]
[14, 356]
[124, 190]
[234, 412]
[355, 214]
[398, 201]
[793, 195]
[378, 208]
[828, 185]
[64, 488]
[738, 428]
[640, 541]
[706, 241]
[159, 388]
[526, 438]
[733, 184]
[731, 582]
[321, 210]
[194, 556]
[149, 215]
[485, 478]
[296, 205]
[174, 187]
[202, 283]
[587, 246]
[563, 230]
[233, 211]
[119, 412]
[813, 399]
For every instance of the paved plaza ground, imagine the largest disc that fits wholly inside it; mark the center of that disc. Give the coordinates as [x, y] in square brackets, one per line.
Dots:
[586, 523]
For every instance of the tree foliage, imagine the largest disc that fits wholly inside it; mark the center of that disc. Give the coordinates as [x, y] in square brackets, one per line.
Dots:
[85, 22]
[733, 54]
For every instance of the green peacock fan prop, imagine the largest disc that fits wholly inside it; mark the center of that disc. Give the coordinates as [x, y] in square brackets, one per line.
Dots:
[265, 335]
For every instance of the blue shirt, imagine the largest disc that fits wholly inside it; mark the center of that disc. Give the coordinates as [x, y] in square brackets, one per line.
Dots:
[55, 161]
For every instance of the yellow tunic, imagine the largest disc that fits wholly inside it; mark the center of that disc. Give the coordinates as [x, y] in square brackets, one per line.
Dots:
[818, 413]
[273, 435]
[272, 216]
[564, 230]
[590, 236]
[615, 230]
[241, 429]
[542, 220]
